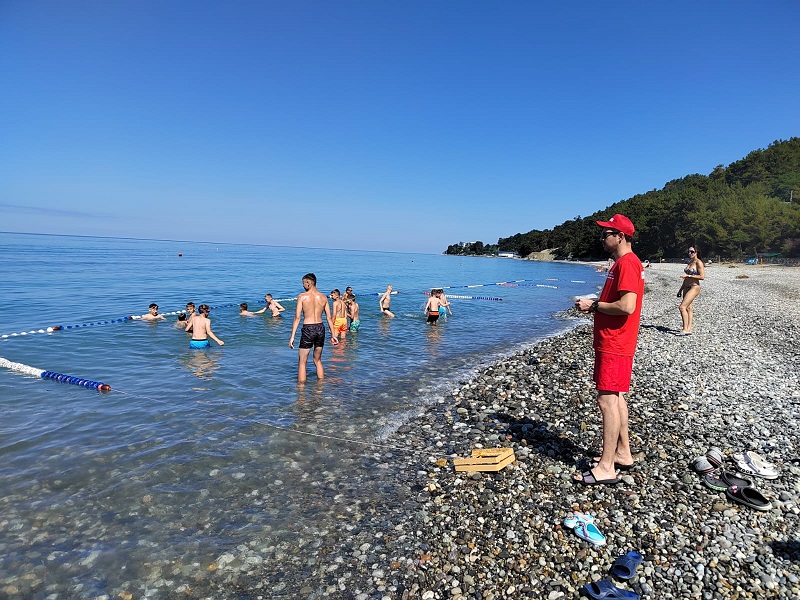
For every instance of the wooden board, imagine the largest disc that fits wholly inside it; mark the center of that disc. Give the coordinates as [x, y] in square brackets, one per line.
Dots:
[485, 459]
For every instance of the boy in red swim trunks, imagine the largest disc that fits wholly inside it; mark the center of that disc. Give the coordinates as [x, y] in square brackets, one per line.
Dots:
[339, 315]
[616, 329]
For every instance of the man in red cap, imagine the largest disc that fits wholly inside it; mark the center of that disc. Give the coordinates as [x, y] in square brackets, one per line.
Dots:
[616, 330]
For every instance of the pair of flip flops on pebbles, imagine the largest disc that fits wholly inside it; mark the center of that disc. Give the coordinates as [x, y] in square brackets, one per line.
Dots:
[737, 489]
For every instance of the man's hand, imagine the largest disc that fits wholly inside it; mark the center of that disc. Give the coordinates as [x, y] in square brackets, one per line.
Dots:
[583, 304]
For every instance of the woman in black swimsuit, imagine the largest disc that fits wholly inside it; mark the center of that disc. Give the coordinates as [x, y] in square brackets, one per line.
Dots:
[694, 273]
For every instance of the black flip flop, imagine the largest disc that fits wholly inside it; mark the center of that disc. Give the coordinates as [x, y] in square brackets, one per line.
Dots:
[588, 478]
[595, 460]
[617, 466]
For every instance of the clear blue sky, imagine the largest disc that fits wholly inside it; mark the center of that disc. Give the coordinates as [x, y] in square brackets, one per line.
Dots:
[380, 125]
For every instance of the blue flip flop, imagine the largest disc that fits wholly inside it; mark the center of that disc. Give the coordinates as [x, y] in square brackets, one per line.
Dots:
[602, 589]
[576, 518]
[589, 532]
[625, 566]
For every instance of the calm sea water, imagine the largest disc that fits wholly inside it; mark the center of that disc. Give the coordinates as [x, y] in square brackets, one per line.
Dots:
[193, 453]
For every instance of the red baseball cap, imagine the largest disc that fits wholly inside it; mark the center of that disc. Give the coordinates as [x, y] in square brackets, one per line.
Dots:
[620, 223]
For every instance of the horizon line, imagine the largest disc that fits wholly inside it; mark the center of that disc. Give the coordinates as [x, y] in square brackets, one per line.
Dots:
[137, 239]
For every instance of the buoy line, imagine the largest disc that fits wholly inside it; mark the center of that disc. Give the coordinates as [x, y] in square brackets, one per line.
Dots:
[55, 376]
[513, 283]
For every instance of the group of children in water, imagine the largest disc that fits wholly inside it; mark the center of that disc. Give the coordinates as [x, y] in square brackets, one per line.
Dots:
[193, 321]
[345, 312]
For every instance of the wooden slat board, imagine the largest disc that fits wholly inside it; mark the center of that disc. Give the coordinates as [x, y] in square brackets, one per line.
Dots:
[485, 459]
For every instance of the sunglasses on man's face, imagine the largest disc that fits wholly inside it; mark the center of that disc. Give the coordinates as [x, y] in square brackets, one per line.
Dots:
[608, 233]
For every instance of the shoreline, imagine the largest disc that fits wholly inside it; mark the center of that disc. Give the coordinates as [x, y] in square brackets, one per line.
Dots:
[733, 384]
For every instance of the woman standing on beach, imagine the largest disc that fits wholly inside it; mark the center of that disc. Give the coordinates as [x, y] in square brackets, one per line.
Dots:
[694, 273]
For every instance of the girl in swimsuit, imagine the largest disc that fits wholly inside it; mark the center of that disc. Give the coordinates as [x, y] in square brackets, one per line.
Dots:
[694, 273]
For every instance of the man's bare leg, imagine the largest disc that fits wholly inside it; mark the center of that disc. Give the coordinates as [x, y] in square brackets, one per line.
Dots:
[302, 360]
[318, 363]
[623, 452]
[616, 445]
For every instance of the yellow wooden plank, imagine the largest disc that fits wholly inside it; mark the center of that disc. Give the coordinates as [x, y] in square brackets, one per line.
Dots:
[485, 460]
[498, 466]
[492, 452]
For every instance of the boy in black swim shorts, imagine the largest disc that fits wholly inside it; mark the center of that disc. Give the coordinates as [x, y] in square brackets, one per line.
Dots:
[311, 304]
[312, 335]
[432, 307]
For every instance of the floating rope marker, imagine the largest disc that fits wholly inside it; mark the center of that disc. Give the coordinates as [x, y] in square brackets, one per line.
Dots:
[511, 283]
[469, 297]
[28, 370]
[48, 330]
[475, 298]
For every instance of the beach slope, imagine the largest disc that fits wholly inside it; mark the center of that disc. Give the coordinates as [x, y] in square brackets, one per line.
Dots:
[734, 384]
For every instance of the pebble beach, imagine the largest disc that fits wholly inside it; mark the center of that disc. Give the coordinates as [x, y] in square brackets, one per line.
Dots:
[442, 534]
[406, 525]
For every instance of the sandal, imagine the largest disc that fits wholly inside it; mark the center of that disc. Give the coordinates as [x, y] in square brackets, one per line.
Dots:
[714, 456]
[577, 517]
[749, 497]
[752, 464]
[589, 533]
[605, 589]
[625, 566]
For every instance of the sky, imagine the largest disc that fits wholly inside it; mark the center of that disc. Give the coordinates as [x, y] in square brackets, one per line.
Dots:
[374, 125]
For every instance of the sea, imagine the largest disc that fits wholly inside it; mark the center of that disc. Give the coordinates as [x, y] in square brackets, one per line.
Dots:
[194, 453]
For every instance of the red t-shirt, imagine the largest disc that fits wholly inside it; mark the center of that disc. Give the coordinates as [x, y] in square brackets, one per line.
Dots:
[617, 334]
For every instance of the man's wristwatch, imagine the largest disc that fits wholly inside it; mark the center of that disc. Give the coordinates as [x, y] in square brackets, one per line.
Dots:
[594, 306]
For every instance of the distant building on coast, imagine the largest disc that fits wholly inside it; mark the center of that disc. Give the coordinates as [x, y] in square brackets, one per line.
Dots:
[508, 254]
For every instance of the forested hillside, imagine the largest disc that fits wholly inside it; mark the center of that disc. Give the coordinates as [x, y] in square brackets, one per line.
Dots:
[751, 206]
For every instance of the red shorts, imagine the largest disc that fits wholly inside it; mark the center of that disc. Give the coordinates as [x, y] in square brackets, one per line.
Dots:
[612, 373]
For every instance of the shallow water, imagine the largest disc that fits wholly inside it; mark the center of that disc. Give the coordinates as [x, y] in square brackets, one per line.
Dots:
[195, 452]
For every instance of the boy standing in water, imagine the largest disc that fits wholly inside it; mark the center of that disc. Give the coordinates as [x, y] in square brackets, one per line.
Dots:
[311, 304]
[339, 315]
[153, 314]
[444, 305]
[200, 326]
[386, 301]
[182, 321]
[432, 308]
[352, 312]
[273, 305]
